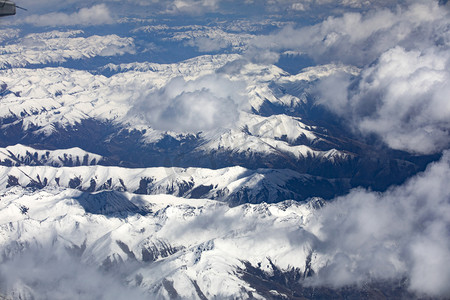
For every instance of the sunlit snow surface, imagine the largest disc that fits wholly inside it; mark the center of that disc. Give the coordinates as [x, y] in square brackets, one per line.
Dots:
[149, 242]
[203, 149]
[204, 240]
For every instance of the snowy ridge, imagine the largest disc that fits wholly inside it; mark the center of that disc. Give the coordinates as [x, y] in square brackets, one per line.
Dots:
[51, 47]
[243, 25]
[213, 39]
[267, 79]
[248, 173]
[164, 246]
[132, 167]
[260, 81]
[240, 142]
[279, 126]
[273, 135]
[189, 69]
[19, 155]
[234, 184]
[43, 97]
[6, 34]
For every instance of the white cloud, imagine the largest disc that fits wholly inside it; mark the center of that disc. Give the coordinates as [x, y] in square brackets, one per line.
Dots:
[410, 93]
[402, 232]
[204, 6]
[357, 38]
[52, 273]
[330, 5]
[402, 94]
[192, 6]
[95, 15]
[403, 99]
[207, 103]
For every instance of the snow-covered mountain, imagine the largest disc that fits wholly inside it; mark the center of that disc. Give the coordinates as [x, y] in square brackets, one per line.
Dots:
[161, 246]
[235, 185]
[176, 210]
[260, 116]
[19, 155]
[231, 149]
[143, 238]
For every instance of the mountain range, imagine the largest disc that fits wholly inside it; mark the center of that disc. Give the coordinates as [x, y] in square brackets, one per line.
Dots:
[205, 149]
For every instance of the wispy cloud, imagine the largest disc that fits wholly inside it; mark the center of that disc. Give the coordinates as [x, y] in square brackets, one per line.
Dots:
[52, 273]
[128, 8]
[95, 15]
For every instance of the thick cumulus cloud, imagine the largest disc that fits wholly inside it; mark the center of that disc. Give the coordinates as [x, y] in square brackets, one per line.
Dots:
[402, 93]
[405, 99]
[403, 96]
[203, 104]
[404, 232]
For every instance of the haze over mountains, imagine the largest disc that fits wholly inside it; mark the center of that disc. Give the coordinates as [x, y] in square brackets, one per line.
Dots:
[204, 149]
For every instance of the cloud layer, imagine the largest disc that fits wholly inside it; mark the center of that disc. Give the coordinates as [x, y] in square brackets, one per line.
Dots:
[404, 99]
